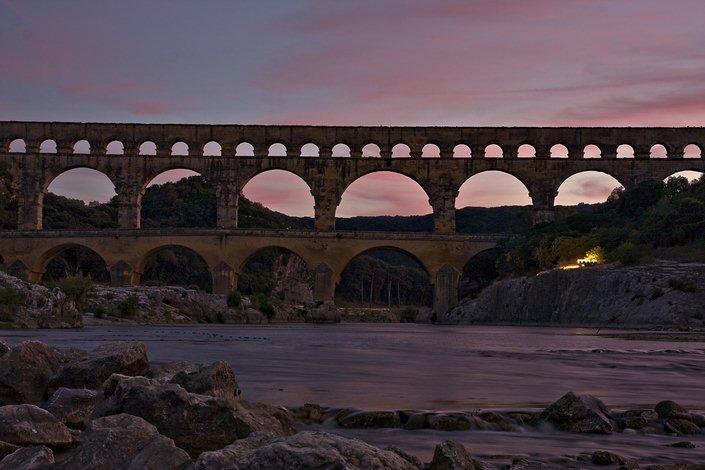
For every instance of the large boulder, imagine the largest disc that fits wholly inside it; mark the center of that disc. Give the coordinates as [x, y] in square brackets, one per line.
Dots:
[73, 406]
[25, 372]
[27, 458]
[305, 450]
[197, 423]
[35, 306]
[452, 455]
[92, 370]
[26, 425]
[579, 413]
[371, 419]
[216, 379]
[123, 441]
[670, 409]
[6, 448]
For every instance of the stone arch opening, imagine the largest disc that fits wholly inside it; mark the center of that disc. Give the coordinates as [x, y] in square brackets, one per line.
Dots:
[115, 147]
[79, 198]
[559, 151]
[310, 150]
[384, 193]
[384, 277]
[462, 151]
[431, 151]
[371, 150]
[658, 151]
[625, 151]
[180, 149]
[178, 197]
[692, 151]
[479, 272]
[276, 199]
[82, 147]
[592, 151]
[74, 260]
[526, 151]
[690, 175]
[175, 265]
[245, 149]
[278, 274]
[401, 150]
[586, 187]
[494, 151]
[212, 149]
[17, 146]
[341, 151]
[47, 146]
[277, 149]
[147, 148]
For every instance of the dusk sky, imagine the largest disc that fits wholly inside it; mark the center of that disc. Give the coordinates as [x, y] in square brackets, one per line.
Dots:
[392, 62]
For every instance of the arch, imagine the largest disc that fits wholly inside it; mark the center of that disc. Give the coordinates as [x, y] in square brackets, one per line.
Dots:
[692, 151]
[310, 150]
[180, 148]
[82, 183]
[462, 151]
[279, 190]
[212, 149]
[245, 149]
[276, 271]
[559, 151]
[658, 151]
[690, 175]
[431, 150]
[17, 146]
[147, 148]
[115, 147]
[177, 197]
[625, 151]
[174, 264]
[401, 150]
[340, 150]
[379, 192]
[478, 272]
[494, 151]
[371, 150]
[277, 149]
[492, 188]
[592, 151]
[526, 151]
[70, 259]
[586, 187]
[385, 274]
[82, 147]
[47, 146]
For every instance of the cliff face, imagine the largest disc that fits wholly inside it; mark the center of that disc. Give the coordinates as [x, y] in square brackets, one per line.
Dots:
[668, 295]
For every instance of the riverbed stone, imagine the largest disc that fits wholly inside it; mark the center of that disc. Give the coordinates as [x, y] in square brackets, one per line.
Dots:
[371, 419]
[680, 426]
[603, 457]
[4, 348]
[25, 372]
[579, 413]
[28, 458]
[124, 441]
[6, 448]
[216, 379]
[197, 423]
[416, 421]
[25, 425]
[670, 409]
[92, 370]
[304, 450]
[73, 406]
[639, 418]
[452, 455]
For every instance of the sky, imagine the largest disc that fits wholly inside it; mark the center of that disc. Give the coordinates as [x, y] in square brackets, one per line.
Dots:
[361, 62]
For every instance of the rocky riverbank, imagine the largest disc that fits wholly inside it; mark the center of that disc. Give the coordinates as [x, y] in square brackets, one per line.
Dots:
[662, 295]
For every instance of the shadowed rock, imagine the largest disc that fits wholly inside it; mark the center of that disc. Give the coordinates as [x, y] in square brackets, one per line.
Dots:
[25, 372]
[6, 448]
[72, 406]
[670, 409]
[27, 458]
[123, 441]
[371, 419]
[451, 455]
[579, 413]
[216, 379]
[25, 425]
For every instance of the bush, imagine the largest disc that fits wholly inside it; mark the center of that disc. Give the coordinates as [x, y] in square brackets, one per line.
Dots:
[682, 285]
[128, 307]
[234, 299]
[10, 302]
[99, 311]
[627, 253]
[77, 288]
[261, 302]
[407, 314]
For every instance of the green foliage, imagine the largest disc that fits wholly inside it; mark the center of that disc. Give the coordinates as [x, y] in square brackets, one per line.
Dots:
[407, 314]
[596, 254]
[261, 302]
[627, 253]
[128, 308]
[99, 311]
[77, 288]
[234, 299]
[10, 302]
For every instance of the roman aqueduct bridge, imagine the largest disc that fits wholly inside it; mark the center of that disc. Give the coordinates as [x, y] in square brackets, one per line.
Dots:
[34, 153]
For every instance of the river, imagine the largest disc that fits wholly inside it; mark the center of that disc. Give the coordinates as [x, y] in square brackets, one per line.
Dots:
[408, 366]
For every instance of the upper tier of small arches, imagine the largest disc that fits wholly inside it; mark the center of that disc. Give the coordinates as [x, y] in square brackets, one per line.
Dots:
[347, 142]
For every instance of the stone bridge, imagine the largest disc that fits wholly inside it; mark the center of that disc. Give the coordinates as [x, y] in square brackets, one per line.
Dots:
[328, 159]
